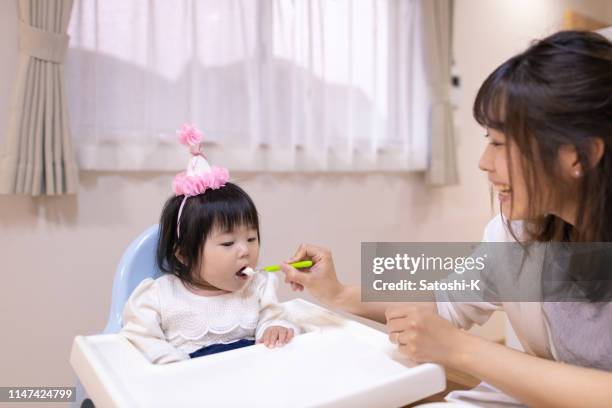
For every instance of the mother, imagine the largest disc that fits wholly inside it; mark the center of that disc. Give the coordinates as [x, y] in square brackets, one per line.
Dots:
[548, 119]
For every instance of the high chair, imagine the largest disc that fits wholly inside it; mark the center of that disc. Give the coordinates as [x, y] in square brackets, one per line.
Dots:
[137, 263]
[336, 361]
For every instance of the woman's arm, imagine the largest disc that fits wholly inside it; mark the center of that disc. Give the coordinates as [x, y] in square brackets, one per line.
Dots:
[425, 337]
[322, 282]
[349, 300]
[535, 381]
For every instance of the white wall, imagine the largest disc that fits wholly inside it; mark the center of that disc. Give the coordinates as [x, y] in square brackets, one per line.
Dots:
[59, 254]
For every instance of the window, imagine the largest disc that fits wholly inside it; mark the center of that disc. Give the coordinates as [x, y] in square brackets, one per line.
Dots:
[279, 85]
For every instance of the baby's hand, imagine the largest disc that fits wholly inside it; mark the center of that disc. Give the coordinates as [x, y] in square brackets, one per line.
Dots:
[276, 336]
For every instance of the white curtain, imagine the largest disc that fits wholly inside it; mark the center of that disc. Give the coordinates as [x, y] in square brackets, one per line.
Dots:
[275, 85]
[36, 157]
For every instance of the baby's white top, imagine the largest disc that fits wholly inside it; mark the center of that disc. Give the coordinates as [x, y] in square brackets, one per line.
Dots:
[166, 322]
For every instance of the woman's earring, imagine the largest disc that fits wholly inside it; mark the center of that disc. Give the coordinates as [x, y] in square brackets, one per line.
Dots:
[577, 173]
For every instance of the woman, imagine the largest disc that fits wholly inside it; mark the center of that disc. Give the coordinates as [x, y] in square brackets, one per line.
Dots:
[548, 119]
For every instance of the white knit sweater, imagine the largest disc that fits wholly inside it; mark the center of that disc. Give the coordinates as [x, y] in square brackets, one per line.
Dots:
[166, 322]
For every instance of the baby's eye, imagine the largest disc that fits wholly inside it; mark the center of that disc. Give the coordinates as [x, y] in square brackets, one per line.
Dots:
[253, 239]
[495, 144]
[228, 243]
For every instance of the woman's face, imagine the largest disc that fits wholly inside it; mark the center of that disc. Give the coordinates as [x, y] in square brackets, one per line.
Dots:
[494, 161]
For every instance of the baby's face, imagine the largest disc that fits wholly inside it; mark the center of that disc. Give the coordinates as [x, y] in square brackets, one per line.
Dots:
[226, 253]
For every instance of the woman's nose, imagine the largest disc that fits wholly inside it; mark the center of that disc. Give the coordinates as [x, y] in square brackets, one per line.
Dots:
[486, 160]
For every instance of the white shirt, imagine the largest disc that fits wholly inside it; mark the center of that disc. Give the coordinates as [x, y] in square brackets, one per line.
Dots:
[572, 332]
[527, 320]
[167, 322]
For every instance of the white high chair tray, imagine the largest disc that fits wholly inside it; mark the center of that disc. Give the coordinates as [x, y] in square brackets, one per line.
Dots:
[338, 362]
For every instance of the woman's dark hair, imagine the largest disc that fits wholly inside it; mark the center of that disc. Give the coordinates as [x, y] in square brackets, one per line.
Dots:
[225, 208]
[558, 92]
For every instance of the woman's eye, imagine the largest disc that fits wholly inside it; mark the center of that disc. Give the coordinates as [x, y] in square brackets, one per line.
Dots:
[492, 142]
[252, 239]
[228, 244]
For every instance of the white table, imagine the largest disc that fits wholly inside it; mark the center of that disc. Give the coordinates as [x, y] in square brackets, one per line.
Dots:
[337, 363]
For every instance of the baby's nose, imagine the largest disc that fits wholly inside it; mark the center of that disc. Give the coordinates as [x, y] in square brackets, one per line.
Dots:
[243, 251]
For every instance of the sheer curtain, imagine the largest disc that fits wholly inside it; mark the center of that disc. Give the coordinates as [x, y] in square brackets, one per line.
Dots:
[275, 85]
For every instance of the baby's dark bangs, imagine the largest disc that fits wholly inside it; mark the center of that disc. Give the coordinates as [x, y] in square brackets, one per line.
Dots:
[230, 207]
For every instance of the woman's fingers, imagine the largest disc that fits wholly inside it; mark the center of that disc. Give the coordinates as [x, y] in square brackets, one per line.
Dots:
[296, 287]
[320, 280]
[395, 312]
[421, 334]
[299, 255]
[307, 251]
[295, 276]
[409, 309]
[397, 325]
[404, 319]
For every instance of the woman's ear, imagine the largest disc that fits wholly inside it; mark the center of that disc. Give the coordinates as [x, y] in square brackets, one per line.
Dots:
[597, 148]
[568, 160]
[568, 157]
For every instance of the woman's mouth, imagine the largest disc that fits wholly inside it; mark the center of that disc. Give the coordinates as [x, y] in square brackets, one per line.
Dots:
[503, 191]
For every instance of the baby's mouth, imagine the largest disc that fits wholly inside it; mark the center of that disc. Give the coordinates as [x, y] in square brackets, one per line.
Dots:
[241, 273]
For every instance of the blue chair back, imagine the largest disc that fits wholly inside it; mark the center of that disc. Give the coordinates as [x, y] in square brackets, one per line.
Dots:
[136, 264]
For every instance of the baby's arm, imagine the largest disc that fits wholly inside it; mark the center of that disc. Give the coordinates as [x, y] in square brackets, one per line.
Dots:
[274, 325]
[142, 325]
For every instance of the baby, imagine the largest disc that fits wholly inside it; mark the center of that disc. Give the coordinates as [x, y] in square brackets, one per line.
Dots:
[204, 302]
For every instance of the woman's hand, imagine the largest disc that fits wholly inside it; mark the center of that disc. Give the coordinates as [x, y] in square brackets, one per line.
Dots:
[276, 336]
[423, 336]
[321, 280]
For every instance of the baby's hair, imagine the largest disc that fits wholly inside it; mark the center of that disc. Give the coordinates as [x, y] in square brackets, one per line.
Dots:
[225, 208]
